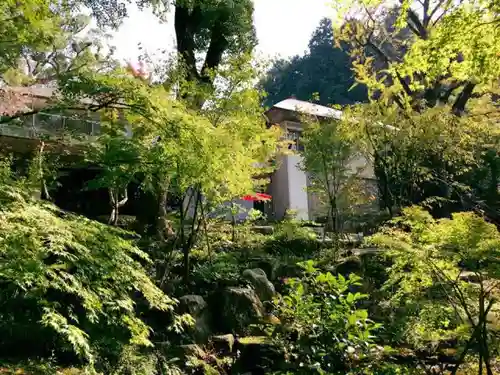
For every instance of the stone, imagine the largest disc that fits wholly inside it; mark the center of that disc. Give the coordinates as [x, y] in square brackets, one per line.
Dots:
[258, 279]
[223, 344]
[258, 355]
[349, 265]
[192, 304]
[470, 277]
[263, 229]
[196, 306]
[240, 307]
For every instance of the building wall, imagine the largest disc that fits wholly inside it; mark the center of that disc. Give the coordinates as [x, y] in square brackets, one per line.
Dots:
[297, 187]
[279, 189]
[289, 184]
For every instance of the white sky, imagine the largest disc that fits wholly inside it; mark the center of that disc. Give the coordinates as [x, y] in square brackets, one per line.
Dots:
[284, 28]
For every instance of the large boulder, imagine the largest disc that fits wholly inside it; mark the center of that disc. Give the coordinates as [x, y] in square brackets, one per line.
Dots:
[349, 265]
[258, 279]
[258, 355]
[263, 229]
[196, 306]
[239, 308]
[223, 344]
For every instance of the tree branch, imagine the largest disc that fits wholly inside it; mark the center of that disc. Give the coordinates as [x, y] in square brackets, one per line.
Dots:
[184, 31]
[218, 44]
[462, 99]
[421, 30]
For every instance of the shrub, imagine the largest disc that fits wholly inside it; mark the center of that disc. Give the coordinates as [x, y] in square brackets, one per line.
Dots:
[291, 238]
[68, 283]
[322, 330]
[443, 284]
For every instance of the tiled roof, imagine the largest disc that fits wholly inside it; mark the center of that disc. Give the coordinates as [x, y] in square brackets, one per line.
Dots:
[20, 99]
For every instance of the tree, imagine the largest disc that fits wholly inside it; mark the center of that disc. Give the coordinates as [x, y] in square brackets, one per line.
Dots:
[28, 24]
[439, 69]
[218, 151]
[72, 278]
[118, 157]
[445, 277]
[52, 48]
[329, 152]
[213, 155]
[452, 57]
[324, 74]
[427, 159]
[214, 28]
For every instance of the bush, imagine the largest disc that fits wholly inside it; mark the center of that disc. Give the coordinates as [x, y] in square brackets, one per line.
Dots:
[443, 283]
[291, 238]
[69, 284]
[322, 330]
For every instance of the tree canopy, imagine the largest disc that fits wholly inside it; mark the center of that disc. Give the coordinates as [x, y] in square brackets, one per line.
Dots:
[324, 74]
[451, 54]
[445, 68]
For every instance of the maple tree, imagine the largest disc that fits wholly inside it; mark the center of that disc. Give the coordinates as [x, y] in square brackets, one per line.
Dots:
[438, 59]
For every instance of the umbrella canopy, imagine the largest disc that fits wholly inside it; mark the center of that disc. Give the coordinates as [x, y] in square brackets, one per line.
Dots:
[257, 197]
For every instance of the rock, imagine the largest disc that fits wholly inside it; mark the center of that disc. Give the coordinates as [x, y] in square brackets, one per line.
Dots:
[223, 344]
[257, 355]
[470, 277]
[267, 265]
[258, 279]
[196, 306]
[349, 265]
[263, 229]
[239, 308]
[192, 304]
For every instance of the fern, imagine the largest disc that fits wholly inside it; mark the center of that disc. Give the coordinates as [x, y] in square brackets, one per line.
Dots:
[79, 274]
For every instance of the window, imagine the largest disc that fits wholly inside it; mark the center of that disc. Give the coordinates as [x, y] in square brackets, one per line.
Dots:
[294, 136]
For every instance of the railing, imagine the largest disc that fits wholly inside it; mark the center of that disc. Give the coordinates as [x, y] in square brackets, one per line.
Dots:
[50, 125]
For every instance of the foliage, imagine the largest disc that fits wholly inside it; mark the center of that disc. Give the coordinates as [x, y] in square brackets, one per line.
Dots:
[330, 155]
[324, 72]
[224, 270]
[453, 51]
[134, 360]
[75, 278]
[434, 62]
[430, 281]
[48, 43]
[30, 23]
[428, 154]
[215, 29]
[322, 330]
[292, 239]
[118, 159]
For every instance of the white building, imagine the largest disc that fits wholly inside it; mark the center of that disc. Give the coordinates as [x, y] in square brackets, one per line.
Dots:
[289, 183]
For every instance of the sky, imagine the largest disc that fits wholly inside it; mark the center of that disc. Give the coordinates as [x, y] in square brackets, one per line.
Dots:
[284, 28]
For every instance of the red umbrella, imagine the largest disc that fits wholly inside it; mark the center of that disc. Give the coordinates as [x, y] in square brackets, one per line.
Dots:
[257, 197]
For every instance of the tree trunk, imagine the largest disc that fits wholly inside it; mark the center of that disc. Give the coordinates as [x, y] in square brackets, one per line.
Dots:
[187, 244]
[116, 204]
[163, 225]
[44, 191]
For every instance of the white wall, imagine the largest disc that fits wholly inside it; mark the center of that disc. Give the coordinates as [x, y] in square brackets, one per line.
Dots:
[297, 187]
[278, 189]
